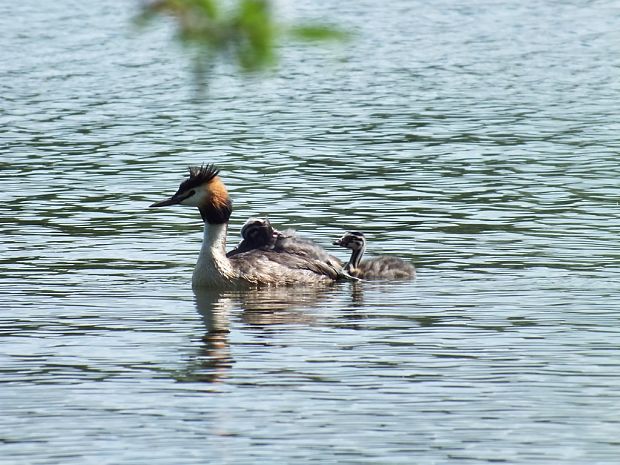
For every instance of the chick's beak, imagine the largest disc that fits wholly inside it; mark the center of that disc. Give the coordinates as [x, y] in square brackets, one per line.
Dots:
[336, 242]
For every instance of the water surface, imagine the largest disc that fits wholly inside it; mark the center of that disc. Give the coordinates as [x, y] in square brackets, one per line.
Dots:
[478, 141]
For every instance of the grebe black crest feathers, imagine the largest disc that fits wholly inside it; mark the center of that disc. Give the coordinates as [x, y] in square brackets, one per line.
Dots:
[198, 175]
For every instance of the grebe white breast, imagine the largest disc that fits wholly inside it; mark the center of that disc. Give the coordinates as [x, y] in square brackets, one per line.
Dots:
[383, 267]
[205, 190]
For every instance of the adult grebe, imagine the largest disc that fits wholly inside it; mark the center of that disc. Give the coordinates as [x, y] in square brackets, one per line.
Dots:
[205, 190]
[375, 268]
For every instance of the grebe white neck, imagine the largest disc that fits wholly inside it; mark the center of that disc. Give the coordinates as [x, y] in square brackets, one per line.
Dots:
[213, 268]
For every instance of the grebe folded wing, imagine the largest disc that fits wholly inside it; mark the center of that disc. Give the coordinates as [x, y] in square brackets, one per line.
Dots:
[270, 267]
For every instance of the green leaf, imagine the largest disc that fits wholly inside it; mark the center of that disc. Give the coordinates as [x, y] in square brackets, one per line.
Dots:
[316, 32]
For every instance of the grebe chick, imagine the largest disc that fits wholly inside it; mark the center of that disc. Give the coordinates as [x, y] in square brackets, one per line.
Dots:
[256, 233]
[375, 268]
[205, 190]
[259, 233]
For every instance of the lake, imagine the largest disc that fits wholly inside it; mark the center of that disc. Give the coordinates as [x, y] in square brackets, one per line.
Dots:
[477, 140]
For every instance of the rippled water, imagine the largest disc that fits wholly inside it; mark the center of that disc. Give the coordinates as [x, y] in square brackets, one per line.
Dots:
[478, 140]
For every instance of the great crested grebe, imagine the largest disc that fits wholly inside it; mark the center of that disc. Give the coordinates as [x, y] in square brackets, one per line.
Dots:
[374, 268]
[205, 190]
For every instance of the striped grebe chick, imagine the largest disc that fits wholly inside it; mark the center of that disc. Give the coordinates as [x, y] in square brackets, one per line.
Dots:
[383, 267]
[256, 267]
[259, 233]
[256, 233]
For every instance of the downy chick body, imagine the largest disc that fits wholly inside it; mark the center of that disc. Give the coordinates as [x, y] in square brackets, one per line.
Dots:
[383, 267]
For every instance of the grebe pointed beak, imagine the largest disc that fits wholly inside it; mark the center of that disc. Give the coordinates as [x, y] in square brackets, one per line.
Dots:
[164, 203]
[336, 242]
[174, 200]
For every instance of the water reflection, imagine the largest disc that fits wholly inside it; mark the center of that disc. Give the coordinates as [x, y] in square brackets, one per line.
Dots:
[262, 306]
[259, 308]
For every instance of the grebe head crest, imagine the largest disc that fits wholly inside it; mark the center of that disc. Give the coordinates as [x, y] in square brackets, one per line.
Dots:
[353, 240]
[203, 189]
